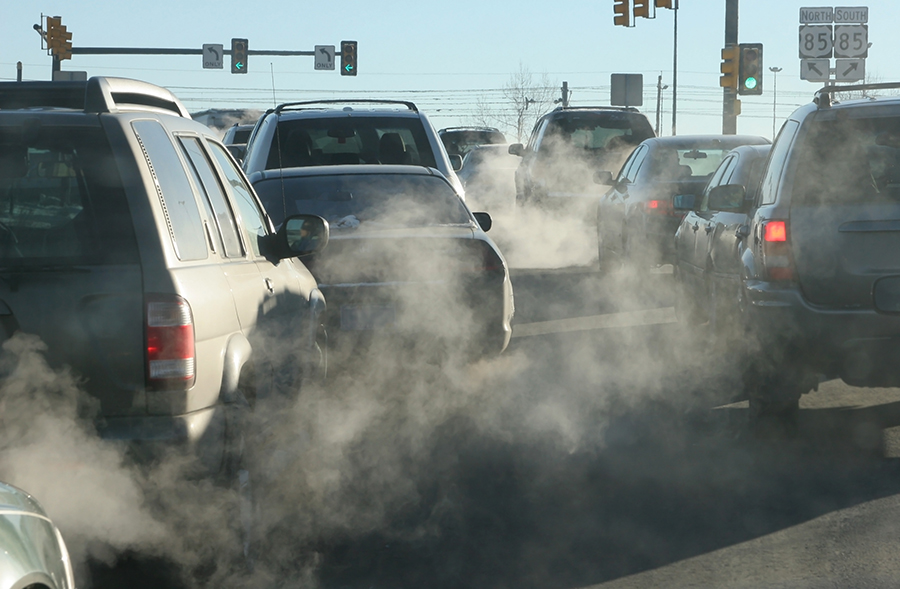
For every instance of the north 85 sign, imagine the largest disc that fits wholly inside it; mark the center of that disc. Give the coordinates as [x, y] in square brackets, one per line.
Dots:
[815, 41]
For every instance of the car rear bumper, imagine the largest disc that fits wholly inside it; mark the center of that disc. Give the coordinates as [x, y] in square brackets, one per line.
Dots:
[150, 437]
[861, 346]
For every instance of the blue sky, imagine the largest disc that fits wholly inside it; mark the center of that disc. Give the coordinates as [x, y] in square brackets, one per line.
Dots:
[445, 56]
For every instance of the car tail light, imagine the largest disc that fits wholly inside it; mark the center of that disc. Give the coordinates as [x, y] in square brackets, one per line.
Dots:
[662, 207]
[484, 259]
[777, 251]
[170, 342]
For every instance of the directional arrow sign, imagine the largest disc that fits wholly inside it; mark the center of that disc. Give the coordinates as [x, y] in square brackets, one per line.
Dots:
[348, 67]
[212, 56]
[849, 70]
[815, 70]
[324, 57]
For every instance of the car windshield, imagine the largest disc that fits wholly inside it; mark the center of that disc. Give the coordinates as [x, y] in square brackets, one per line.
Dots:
[348, 200]
[849, 161]
[350, 140]
[61, 199]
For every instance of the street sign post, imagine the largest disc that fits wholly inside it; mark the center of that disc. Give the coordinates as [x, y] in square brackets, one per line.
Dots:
[849, 70]
[324, 57]
[815, 70]
[851, 41]
[815, 41]
[213, 56]
[626, 89]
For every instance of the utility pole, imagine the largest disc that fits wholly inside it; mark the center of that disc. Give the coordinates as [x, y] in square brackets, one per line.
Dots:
[659, 88]
[774, 71]
[18, 71]
[675, 70]
[564, 99]
[729, 118]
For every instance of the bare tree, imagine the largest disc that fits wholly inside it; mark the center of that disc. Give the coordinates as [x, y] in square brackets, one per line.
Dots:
[524, 98]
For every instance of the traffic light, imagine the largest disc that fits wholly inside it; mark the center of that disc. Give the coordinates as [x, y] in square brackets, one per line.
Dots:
[750, 71]
[622, 11]
[348, 58]
[239, 56]
[59, 41]
[664, 3]
[641, 8]
[729, 67]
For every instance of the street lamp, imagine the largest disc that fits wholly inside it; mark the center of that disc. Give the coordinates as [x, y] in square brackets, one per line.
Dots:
[775, 71]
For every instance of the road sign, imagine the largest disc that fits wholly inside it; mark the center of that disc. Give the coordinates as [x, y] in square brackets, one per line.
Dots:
[212, 56]
[815, 16]
[849, 70]
[324, 57]
[815, 70]
[851, 14]
[626, 89]
[815, 41]
[851, 41]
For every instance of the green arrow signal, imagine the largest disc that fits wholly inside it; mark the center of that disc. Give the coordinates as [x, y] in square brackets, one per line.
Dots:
[239, 65]
[348, 67]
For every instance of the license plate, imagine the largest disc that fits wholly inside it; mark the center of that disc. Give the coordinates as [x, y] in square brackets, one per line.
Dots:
[366, 317]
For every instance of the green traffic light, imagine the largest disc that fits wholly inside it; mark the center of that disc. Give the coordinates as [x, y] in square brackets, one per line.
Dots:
[750, 83]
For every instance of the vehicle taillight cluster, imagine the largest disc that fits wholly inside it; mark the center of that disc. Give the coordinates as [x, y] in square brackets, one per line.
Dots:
[170, 342]
[662, 207]
[777, 251]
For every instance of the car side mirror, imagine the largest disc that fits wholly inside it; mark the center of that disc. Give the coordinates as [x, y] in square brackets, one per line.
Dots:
[301, 235]
[484, 221]
[727, 197]
[516, 149]
[604, 177]
[684, 202]
[456, 162]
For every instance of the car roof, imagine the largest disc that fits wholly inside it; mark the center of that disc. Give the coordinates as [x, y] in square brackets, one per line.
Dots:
[708, 141]
[353, 107]
[15, 499]
[347, 169]
[469, 129]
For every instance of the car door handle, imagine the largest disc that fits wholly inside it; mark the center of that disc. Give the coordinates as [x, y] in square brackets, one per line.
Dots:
[270, 286]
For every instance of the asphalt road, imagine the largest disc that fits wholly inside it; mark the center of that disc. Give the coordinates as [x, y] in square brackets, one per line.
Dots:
[602, 450]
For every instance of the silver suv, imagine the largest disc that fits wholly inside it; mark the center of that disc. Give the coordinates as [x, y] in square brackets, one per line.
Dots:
[334, 132]
[132, 244]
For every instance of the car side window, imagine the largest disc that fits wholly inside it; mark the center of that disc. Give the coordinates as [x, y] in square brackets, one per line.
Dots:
[252, 218]
[209, 183]
[174, 189]
[637, 162]
[769, 186]
[535, 139]
[725, 169]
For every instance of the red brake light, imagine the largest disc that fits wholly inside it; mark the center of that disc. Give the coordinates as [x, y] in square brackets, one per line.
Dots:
[170, 342]
[653, 204]
[776, 231]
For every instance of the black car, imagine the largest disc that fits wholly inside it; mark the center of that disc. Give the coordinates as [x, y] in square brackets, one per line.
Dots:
[707, 266]
[407, 261]
[636, 219]
[462, 140]
[568, 145]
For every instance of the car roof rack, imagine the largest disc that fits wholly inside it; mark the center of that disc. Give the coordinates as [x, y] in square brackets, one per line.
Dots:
[606, 107]
[312, 103]
[99, 94]
[469, 128]
[822, 99]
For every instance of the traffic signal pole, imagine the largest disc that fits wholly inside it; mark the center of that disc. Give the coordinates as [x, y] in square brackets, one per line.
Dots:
[729, 95]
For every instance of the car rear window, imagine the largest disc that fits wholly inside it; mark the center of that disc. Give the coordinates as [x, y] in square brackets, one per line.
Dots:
[350, 199]
[611, 130]
[350, 140]
[849, 161]
[61, 198]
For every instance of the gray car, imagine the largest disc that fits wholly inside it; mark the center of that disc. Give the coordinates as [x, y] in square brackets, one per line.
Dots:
[132, 244]
[820, 254]
[33, 554]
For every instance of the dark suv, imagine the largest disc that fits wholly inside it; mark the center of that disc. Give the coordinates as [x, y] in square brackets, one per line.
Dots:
[132, 244]
[569, 145]
[820, 255]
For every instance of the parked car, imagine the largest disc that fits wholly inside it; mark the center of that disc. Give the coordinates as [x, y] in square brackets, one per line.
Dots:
[636, 219]
[339, 132]
[568, 145]
[489, 177]
[706, 246]
[132, 244]
[32, 551]
[462, 140]
[820, 254]
[407, 259]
